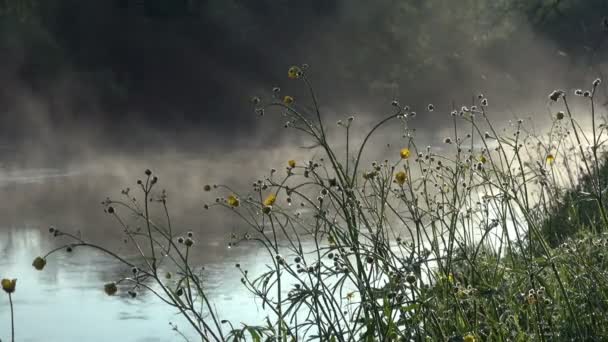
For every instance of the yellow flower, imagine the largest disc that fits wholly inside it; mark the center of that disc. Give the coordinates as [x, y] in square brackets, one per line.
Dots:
[291, 163]
[550, 158]
[233, 201]
[350, 295]
[270, 200]
[482, 159]
[469, 338]
[400, 177]
[288, 100]
[8, 285]
[294, 72]
[404, 153]
[39, 263]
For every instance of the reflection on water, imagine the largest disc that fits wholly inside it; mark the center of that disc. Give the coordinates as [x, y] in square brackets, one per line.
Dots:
[66, 302]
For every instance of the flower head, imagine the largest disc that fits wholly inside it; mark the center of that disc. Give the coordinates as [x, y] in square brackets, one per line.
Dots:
[556, 95]
[189, 242]
[39, 263]
[469, 338]
[233, 201]
[8, 285]
[288, 100]
[291, 163]
[550, 158]
[110, 288]
[400, 177]
[404, 153]
[270, 200]
[559, 115]
[294, 72]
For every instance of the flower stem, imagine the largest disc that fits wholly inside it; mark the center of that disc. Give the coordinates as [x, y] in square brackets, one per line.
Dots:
[10, 299]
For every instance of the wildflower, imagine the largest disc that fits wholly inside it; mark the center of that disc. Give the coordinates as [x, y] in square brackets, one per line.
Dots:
[267, 209]
[550, 158]
[482, 159]
[8, 285]
[395, 103]
[484, 102]
[596, 82]
[447, 140]
[400, 177]
[276, 90]
[559, 115]
[291, 163]
[110, 210]
[270, 199]
[578, 92]
[469, 338]
[180, 240]
[431, 107]
[233, 201]
[39, 263]
[556, 95]
[294, 72]
[189, 242]
[255, 100]
[410, 278]
[207, 187]
[404, 153]
[454, 113]
[110, 288]
[587, 93]
[288, 100]
[487, 135]
[531, 298]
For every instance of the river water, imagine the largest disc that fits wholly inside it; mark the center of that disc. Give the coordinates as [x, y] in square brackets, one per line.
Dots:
[66, 301]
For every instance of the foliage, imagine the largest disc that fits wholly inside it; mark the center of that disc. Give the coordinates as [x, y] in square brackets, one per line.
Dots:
[429, 244]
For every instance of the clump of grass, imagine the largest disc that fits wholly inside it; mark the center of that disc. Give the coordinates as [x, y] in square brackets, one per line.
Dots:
[427, 244]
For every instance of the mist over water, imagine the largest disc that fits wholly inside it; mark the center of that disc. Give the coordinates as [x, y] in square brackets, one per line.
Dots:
[178, 103]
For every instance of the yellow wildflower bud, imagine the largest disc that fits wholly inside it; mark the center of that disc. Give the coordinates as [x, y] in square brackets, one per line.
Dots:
[270, 200]
[482, 159]
[39, 263]
[550, 158]
[288, 100]
[110, 288]
[404, 153]
[294, 72]
[469, 338]
[233, 201]
[8, 285]
[400, 177]
[291, 163]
